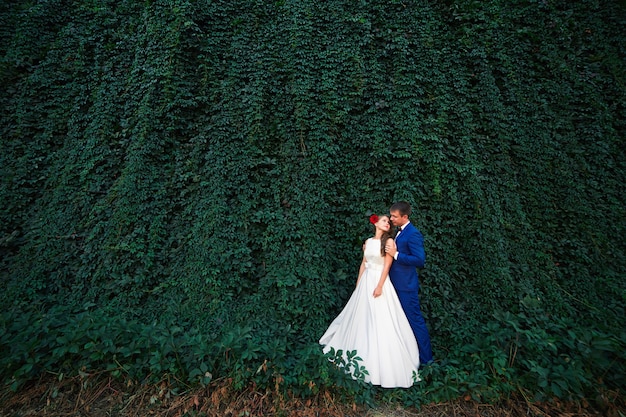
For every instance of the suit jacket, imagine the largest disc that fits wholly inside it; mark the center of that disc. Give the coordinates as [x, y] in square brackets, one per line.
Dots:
[403, 272]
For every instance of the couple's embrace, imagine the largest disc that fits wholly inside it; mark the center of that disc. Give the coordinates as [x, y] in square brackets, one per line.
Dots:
[382, 320]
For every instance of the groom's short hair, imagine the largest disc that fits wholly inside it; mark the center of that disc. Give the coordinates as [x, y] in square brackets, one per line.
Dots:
[402, 206]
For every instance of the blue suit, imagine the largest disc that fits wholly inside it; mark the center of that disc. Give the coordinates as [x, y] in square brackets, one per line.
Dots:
[403, 274]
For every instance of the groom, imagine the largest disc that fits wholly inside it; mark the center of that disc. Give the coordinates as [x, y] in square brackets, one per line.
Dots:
[408, 252]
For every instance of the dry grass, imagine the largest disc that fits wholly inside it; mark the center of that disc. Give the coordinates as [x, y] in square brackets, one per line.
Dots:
[95, 396]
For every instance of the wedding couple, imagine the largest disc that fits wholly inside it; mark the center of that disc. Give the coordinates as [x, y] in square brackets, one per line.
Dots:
[382, 320]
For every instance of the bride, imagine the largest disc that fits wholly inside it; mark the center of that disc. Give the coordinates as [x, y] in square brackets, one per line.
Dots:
[373, 322]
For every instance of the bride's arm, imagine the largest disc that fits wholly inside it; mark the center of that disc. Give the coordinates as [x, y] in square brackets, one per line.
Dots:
[378, 291]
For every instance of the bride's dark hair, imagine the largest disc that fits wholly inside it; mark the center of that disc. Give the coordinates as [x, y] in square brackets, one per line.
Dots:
[383, 238]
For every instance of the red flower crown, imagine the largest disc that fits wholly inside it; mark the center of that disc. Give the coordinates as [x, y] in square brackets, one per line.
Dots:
[373, 219]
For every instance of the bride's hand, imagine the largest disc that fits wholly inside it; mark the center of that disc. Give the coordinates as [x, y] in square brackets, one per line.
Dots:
[378, 291]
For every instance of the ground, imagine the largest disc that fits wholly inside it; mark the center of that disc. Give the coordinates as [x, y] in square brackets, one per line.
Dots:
[105, 397]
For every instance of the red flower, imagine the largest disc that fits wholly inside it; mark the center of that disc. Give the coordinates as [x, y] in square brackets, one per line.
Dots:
[373, 219]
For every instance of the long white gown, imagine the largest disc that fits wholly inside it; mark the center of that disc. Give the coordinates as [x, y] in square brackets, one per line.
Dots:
[376, 328]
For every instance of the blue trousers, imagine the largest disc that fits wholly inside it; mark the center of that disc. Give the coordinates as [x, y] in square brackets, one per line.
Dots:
[411, 305]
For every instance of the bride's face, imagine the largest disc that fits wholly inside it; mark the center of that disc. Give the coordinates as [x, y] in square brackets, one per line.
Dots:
[383, 224]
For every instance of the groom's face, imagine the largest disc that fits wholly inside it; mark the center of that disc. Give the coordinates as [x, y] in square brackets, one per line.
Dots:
[397, 219]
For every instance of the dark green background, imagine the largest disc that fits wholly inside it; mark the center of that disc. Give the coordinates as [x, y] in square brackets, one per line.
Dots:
[201, 173]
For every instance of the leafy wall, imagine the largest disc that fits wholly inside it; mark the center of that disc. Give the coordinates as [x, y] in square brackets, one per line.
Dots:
[201, 172]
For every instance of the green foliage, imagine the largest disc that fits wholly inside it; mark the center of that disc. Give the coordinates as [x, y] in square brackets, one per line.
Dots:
[184, 188]
[66, 343]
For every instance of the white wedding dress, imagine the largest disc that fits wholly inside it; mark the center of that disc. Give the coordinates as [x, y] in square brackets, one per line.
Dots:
[376, 328]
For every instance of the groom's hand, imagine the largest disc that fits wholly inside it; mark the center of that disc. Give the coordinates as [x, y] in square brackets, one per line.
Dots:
[390, 247]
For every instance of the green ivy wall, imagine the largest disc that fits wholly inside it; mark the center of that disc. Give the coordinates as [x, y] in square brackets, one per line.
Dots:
[206, 169]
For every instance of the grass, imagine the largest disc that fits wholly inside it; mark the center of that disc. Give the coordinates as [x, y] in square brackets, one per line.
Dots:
[99, 396]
